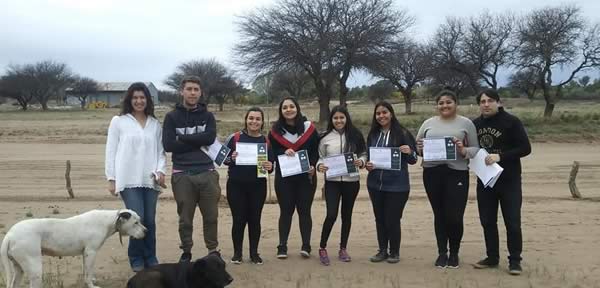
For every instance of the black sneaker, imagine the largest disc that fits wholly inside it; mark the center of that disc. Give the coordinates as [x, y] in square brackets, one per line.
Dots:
[236, 259]
[393, 258]
[185, 257]
[441, 261]
[256, 259]
[379, 257]
[282, 252]
[453, 261]
[514, 268]
[486, 263]
[305, 251]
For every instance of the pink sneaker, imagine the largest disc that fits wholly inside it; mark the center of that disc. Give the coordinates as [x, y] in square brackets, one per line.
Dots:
[323, 256]
[343, 255]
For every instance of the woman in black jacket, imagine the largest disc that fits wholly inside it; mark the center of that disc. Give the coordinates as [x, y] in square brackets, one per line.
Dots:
[289, 134]
[246, 192]
[389, 189]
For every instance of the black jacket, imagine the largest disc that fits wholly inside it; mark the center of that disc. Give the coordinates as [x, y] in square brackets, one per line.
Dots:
[185, 132]
[245, 173]
[380, 180]
[504, 134]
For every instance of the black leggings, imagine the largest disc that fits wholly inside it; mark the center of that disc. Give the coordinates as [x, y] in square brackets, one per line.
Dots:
[388, 208]
[246, 200]
[447, 190]
[334, 191]
[295, 193]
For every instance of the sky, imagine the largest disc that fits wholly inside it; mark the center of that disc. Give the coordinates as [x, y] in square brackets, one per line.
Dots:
[145, 40]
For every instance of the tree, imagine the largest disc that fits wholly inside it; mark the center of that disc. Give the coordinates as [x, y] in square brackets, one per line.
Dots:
[295, 82]
[49, 78]
[585, 80]
[214, 78]
[380, 90]
[325, 38]
[82, 87]
[525, 81]
[262, 86]
[405, 64]
[227, 88]
[488, 44]
[17, 85]
[557, 37]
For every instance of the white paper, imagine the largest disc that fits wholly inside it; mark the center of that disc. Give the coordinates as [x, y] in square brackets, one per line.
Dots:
[247, 154]
[217, 152]
[434, 149]
[488, 174]
[336, 166]
[289, 165]
[380, 157]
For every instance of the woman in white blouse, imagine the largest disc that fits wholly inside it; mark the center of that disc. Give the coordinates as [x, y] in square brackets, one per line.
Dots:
[135, 167]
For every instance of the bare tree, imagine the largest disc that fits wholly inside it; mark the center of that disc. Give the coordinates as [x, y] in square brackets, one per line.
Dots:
[295, 82]
[82, 88]
[526, 81]
[553, 38]
[49, 79]
[17, 85]
[212, 74]
[585, 80]
[488, 44]
[405, 64]
[226, 88]
[326, 38]
[381, 90]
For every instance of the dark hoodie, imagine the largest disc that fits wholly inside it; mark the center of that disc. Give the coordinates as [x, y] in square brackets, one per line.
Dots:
[184, 132]
[505, 135]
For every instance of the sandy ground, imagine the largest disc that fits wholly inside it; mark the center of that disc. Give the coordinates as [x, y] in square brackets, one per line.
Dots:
[561, 235]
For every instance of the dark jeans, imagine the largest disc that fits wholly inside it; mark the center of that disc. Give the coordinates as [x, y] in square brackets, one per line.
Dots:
[142, 252]
[388, 208]
[246, 201]
[334, 192]
[507, 192]
[295, 193]
[447, 190]
[202, 191]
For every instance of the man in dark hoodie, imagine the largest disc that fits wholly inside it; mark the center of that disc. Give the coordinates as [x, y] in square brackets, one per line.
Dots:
[503, 136]
[195, 181]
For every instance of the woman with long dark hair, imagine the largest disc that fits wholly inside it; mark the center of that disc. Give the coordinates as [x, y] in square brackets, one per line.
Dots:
[289, 134]
[389, 189]
[135, 167]
[447, 182]
[340, 137]
[246, 192]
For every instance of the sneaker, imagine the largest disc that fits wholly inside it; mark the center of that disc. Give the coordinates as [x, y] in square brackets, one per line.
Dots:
[453, 261]
[256, 259]
[441, 261]
[343, 255]
[393, 258]
[185, 257]
[282, 252]
[379, 257]
[137, 269]
[486, 263]
[323, 257]
[305, 251]
[514, 268]
[236, 259]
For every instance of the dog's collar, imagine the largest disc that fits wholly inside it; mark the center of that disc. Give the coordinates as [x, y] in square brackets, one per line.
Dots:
[118, 227]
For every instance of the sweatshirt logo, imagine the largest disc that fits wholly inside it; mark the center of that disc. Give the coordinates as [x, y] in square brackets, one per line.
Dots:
[190, 130]
[486, 141]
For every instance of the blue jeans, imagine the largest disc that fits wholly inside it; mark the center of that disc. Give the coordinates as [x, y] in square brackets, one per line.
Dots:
[142, 252]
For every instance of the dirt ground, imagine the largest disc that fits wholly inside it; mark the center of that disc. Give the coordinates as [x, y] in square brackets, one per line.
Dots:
[561, 235]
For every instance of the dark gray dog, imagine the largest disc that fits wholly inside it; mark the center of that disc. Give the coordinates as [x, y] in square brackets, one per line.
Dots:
[206, 272]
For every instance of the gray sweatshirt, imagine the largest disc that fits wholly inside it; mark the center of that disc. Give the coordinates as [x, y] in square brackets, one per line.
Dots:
[459, 127]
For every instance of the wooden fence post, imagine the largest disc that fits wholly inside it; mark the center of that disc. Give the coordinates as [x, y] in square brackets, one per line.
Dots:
[68, 179]
[572, 185]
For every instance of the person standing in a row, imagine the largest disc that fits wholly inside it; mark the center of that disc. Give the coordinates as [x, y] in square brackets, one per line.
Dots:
[135, 167]
[389, 189]
[505, 138]
[447, 182]
[340, 137]
[289, 134]
[246, 192]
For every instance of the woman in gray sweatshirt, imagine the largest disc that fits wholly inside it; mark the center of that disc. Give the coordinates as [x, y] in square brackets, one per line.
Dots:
[447, 182]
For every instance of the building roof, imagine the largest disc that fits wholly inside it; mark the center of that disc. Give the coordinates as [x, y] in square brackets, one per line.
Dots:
[117, 86]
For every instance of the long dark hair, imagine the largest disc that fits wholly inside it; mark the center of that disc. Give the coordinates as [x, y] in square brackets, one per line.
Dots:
[298, 121]
[126, 106]
[355, 142]
[262, 116]
[398, 133]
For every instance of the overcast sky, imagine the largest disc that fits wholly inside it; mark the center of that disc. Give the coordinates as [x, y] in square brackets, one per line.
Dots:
[144, 40]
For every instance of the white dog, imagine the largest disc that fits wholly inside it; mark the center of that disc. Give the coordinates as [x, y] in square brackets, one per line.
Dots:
[26, 242]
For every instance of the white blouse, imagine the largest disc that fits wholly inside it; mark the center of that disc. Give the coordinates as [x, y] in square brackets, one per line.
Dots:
[134, 154]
